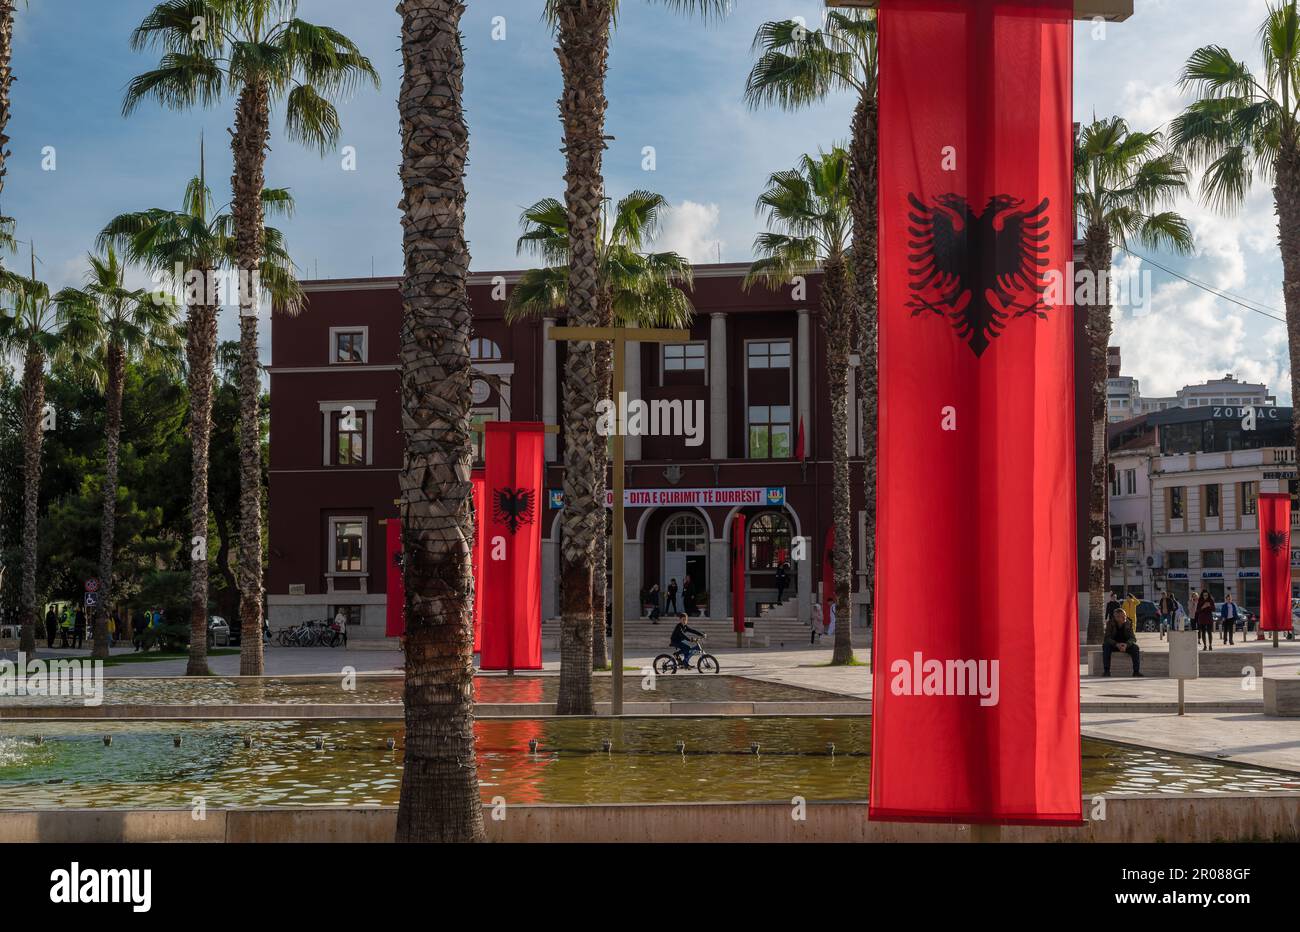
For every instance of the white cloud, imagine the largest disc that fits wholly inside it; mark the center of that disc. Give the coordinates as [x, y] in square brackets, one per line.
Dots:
[691, 229]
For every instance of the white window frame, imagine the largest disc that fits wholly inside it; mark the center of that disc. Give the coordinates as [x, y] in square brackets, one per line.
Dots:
[334, 347]
[327, 410]
[790, 393]
[334, 521]
[663, 358]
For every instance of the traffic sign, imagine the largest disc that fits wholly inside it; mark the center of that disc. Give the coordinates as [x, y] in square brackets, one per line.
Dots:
[92, 599]
[92, 585]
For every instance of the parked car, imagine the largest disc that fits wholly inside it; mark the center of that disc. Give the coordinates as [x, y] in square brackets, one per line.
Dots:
[1148, 616]
[218, 631]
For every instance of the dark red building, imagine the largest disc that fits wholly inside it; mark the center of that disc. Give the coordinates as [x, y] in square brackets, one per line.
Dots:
[755, 370]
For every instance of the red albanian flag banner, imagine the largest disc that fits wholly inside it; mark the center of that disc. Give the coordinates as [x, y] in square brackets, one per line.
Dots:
[477, 478]
[395, 607]
[511, 637]
[1274, 561]
[738, 573]
[976, 686]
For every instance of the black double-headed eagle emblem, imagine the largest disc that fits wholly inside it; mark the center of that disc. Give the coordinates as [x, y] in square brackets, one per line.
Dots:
[1276, 541]
[978, 269]
[513, 507]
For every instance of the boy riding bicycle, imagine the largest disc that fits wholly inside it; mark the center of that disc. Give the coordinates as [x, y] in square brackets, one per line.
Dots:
[681, 641]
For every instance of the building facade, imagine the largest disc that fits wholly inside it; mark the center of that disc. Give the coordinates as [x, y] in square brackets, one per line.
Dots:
[1183, 499]
[755, 368]
[1124, 398]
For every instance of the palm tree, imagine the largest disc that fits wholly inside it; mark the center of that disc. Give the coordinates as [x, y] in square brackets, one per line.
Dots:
[637, 289]
[798, 68]
[41, 332]
[191, 246]
[1241, 124]
[7, 8]
[128, 324]
[583, 28]
[1121, 179]
[809, 219]
[261, 52]
[440, 795]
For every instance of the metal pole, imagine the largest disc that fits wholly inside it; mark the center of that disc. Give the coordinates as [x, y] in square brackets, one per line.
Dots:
[1180, 695]
[616, 694]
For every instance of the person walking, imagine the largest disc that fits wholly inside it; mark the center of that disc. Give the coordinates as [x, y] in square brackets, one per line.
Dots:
[652, 600]
[670, 603]
[1230, 615]
[1167, 608]
[79, 629]
[688, 596]
[51, 626]
[782, 580]
[341, 622]
[1205, 620]
[138, 625]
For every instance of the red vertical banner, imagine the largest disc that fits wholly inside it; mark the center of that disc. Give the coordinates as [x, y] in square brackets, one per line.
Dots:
[477, 478]
[976, 677]
[512, 547]
[395, 598]
[1274, 561]
[738, 550]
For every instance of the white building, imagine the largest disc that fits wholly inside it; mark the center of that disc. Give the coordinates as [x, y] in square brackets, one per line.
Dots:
[1183, 496]
[1124, 398]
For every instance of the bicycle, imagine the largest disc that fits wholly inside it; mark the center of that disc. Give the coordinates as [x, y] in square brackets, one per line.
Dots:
[668, 663]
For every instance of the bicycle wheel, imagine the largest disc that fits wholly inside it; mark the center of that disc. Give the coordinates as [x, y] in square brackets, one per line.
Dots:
[665, 664]
[332, 639]
[707, 664]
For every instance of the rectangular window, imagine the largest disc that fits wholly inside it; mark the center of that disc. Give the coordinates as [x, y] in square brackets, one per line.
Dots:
[684, 357]
[1211, 501]
[349, 545]
[1248, 558]
[1212, 559]
[769, 432]
[769, 355]
[349, 438]
[1114, 485]
[1249, 497]
[1177, 495]
[476, 417]
[349, 346]
[1177, 559]
[1130, 481]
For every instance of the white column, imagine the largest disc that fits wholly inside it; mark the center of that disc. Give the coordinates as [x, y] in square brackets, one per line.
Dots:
[719, 579]
[805, 381]
[632, 378]
[718, 386]
[633, 578]
[549, 386]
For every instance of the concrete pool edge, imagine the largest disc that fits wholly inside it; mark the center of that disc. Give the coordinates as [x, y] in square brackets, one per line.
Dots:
[1129, 819]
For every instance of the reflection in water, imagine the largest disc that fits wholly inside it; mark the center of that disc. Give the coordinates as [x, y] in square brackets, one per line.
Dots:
[142, 768]
[388, 689]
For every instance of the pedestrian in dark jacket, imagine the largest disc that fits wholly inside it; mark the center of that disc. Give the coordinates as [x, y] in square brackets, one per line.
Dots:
[782, 580]
[51, 627]
[1120, 636]
[1205, 620]
[79, 629]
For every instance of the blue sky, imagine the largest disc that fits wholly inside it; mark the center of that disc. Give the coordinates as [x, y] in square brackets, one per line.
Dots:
[674, 84]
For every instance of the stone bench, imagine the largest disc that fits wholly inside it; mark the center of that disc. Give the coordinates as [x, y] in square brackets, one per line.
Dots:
[1282, 696]
[1214, 664]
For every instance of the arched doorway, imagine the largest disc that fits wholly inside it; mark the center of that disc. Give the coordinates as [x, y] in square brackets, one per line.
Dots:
[685, 557]
[771, 537]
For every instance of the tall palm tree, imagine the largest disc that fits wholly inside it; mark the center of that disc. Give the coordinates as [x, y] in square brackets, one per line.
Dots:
[263, 54]
[7, 8]
[191, 246]
[637, 289]
[1242, 125]
[1121, 180]
[583, 28]
[440, 795]
[810, 220]
[797, 68]
[129, 324]
[40, 332]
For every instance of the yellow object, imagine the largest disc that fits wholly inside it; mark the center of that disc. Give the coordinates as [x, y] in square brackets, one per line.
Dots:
[1130, 606]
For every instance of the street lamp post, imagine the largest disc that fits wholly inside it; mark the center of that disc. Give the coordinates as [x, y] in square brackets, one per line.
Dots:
[620, 337]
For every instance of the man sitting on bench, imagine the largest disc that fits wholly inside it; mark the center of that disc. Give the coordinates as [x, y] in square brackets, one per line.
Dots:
[1120, 636]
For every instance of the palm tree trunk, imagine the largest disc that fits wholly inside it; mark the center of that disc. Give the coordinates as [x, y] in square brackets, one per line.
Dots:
[249, 142]
[836, 319]
[440, 796]
[108, 526]
[200, 353]
[583, 52]
[863, 157]
[1286, 195]
[1097, 254]
[33, 413]
[599, 567]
